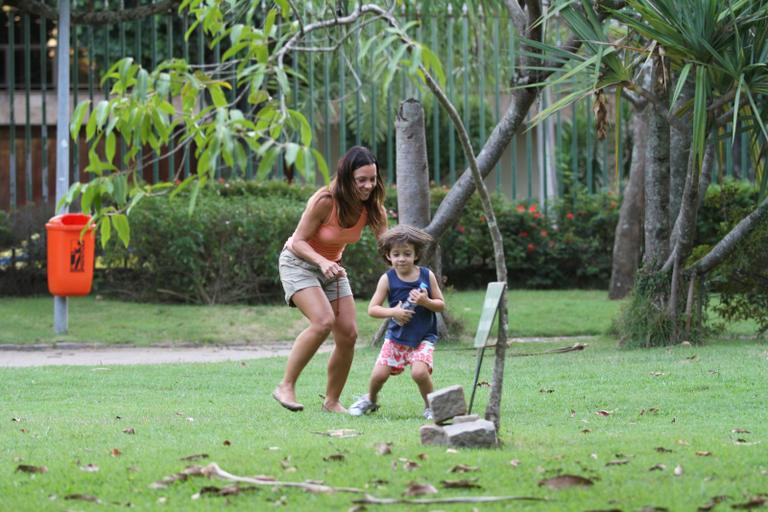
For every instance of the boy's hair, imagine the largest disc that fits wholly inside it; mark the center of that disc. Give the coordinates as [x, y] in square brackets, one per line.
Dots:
[404, 234]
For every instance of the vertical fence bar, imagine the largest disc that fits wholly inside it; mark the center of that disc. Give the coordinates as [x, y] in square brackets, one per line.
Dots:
[172, 138]
[185, 51]
[91, 68]
[435, 107]
[75, 89]
[604, 164]
[327, 106]
[373, 142]
[574, 147]
[728, 153]
[153, 50]
[28, 123]
[481, 72]
[44, 119]
[467, 113]
[390, 141]
[11, 74]
[496, 91]
[123, 51]
[358, 86]
[451, 97]
[342, 98]
[558, 124]
[590, 149]
[743, 166]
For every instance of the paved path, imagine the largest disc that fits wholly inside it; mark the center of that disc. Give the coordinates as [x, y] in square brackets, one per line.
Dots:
[107, 356]
[16, 356]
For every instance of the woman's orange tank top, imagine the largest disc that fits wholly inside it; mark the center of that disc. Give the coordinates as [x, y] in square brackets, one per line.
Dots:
[330, 239]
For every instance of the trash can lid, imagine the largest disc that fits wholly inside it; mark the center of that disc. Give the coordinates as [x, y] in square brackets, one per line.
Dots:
[69, 221]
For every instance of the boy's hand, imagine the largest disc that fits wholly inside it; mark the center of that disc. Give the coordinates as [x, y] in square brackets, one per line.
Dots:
[401, 316]
[418, 296]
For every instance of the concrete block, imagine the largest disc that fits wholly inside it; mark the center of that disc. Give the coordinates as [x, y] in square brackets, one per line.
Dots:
[447, 403]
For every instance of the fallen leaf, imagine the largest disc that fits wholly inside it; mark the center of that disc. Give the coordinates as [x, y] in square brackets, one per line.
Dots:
[658, 467]
[586, 430]
[514, 463]
[89, 468]
[593, 456]
[712, 503]
[129, 430]
[657, 374]
[120, 417]
[654, 509]
[451, 450]
[195, 456]
[740, 431]
[82, 497]
[565, 481]
[461, 484]
[682, 442]
[703, 453]
[661, 449]
[463, 468]
[357, 508]
[335, 457]
[273, 448]
[116, 452]
[652, 410]
[542, 390]
[176, 477]
[26, 468]
[227, 442]
[243, 364]
[16, 420]
[678, 470]
[190, 418]
[422, 456]
[287, 466]
[340, 433]
[24, 431]
[411, 465]
[383, 448]
[379, 482]
[483, 384]
[617, 462]
[754, 502]
[603, 412]
[714, 372]
[691, 358]
[417, 489]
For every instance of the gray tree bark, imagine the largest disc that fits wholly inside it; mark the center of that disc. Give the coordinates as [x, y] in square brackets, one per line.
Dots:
[680, 148]
[628, 239]
[657, 182]
[411, 168]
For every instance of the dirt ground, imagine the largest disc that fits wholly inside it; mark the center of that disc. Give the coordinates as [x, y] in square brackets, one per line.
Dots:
[108, 356]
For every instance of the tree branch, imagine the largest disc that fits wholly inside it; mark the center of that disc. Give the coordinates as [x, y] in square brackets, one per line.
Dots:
[91, 17]
[728, 244]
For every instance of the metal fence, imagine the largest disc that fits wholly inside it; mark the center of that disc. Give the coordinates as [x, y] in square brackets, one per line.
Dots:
[478, 51]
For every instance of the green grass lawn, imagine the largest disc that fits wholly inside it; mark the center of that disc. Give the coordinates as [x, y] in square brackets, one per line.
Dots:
[532, 313]
[681, 407]
[30, 320]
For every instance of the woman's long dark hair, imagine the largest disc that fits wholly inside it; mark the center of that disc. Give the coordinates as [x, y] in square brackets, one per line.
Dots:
[343, 189]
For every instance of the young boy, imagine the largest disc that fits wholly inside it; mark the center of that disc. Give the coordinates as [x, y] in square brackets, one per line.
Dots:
[413, 297]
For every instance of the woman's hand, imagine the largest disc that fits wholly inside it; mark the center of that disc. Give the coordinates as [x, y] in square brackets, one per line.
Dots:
[332, 270]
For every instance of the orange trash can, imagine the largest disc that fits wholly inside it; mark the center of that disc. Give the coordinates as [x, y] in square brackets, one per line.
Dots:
[70, 258]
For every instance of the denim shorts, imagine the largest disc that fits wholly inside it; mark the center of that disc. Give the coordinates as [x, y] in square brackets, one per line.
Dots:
[297, 274]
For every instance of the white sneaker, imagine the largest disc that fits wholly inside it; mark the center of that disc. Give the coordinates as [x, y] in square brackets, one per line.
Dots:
[428, 414]
[362, 405]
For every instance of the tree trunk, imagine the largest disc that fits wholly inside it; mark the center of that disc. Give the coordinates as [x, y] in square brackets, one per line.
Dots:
[412, 172]
[657, 188]
[680, 148]
[627, 244]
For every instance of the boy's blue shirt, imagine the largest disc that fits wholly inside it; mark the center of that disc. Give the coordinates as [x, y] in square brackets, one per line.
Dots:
[423, 324]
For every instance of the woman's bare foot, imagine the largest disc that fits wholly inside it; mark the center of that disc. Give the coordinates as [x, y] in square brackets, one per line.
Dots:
[287, 399]
[334, 407]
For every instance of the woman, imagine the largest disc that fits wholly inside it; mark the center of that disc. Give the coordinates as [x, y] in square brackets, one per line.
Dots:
[313, 278]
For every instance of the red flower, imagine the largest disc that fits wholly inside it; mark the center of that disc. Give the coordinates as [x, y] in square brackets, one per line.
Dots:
[536, 215]
[177, 181]
[221, 180]
[520, 208]
[532, 208]
[460, 228]
[569, 216]
[523, 234]
[531, 247]
[544, 233]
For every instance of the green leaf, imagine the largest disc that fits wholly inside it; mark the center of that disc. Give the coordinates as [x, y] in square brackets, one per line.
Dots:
[195, 192]
[111, 144]
[135, 200]
[77, 118]
[680, 83]
[218, 97]
[322, 165]
[120, 222]
[266, 163]
[270, 22]
[291, 150]
[105, 231]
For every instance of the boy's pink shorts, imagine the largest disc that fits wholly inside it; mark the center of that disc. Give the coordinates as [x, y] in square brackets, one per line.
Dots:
[398, 356]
